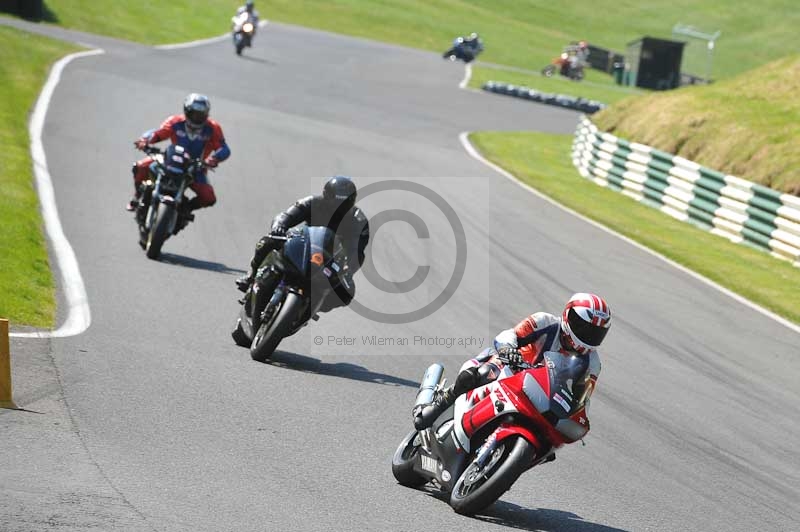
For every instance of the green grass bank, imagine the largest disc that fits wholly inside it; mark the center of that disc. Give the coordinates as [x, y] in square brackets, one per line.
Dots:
[26, 282]
[748, 126]
[521, 33]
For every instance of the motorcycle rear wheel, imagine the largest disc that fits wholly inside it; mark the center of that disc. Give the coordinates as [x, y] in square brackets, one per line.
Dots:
[477, 487]
[403, 462]
[271, 332]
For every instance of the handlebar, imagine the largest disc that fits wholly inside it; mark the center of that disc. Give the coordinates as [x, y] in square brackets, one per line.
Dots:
[523, 365]
[149, 149]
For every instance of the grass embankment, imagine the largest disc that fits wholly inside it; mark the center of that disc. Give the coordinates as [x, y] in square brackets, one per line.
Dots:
[748, 126]
[146, 21]
[520, 33]
[26, 283]
[529, 33]
[770, 282]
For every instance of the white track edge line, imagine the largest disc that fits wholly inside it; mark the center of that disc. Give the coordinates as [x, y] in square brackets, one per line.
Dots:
[79, 316]
[467, 76]
[463, 137]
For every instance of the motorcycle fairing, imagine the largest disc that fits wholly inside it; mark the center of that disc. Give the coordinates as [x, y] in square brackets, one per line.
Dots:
[453, 459]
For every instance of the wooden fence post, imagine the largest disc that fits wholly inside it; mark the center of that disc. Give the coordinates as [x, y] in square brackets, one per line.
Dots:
[5, 367]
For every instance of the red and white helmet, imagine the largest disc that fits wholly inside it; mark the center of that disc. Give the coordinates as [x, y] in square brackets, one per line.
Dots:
[585, 322]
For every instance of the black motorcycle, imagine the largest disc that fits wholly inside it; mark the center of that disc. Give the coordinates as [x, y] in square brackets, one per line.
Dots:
[163, 207]
[289, 288]
[243, 31]
[464, 49]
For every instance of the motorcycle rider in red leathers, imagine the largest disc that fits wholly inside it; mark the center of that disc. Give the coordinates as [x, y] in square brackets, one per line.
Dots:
[579, 331]
[199, 135]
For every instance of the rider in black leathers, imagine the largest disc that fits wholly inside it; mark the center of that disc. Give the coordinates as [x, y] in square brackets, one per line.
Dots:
[336, 209]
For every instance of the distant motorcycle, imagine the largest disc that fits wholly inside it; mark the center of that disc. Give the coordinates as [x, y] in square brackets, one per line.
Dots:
[289, 288]
[243, 30]
[567, 65]
[464, 49]
[497, 432]
[162, 210]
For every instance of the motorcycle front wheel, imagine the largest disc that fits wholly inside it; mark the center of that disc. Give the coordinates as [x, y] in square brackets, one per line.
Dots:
[158, 231]
[273, 330]
[478, 487]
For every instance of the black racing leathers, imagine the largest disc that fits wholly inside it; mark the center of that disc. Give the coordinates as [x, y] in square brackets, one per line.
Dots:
[350, 224]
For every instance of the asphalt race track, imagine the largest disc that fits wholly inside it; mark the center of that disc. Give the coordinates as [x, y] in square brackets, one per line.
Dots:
[154, 420]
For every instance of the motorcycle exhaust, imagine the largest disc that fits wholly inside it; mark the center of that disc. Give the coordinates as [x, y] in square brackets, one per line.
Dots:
[433, 375]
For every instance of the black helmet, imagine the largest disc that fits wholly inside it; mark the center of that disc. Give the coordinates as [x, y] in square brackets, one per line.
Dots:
[196, 108]
[342, 190]
[249, 5]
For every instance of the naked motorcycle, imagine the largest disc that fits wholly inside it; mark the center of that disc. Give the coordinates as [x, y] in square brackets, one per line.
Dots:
[496, 432]
[162, 210]
[289, 288]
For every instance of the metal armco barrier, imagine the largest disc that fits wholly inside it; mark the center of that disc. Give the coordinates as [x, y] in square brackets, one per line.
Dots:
[560, 100]
[728, 206]
[5, 368]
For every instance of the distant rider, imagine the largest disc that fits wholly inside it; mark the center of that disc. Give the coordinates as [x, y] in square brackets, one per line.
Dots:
[248, 8]
[579, 331]
[199, 135]
[335, 209]
[473, 42]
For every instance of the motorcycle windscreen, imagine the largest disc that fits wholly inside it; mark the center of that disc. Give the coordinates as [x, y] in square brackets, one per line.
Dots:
[296, 250]
[321, 243]
[567, 381]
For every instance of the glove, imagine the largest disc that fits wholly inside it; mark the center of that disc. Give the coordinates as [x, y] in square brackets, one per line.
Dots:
[511, 354]
[278, 230]
[211, 161]
[140, 143]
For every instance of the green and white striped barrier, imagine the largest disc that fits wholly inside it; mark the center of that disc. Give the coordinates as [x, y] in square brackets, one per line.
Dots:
[728, 206]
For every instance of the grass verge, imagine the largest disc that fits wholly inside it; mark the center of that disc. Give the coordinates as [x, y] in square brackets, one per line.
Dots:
[521, 33]
[26, 283]
[767, 281]
[146, 21]
[529, 33]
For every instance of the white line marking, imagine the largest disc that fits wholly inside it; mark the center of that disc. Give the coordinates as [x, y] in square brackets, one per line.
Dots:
[79, 317]
[201, 42]
[463, 137]
[467, 76]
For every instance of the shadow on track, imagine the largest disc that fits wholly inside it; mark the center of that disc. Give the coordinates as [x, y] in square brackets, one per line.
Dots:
[533, 519]
[539, 519]
[189, 262]
[344, 370]
[257, 59]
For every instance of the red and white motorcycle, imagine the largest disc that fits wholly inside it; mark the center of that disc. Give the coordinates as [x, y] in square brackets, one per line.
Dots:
[497, 432]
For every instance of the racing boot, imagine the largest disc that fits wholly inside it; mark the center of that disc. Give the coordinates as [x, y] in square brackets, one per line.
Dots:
[424, 415]
[133, 204]
[244, 282]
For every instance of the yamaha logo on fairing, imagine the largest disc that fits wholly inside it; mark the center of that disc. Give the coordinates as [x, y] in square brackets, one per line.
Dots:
[429, 464]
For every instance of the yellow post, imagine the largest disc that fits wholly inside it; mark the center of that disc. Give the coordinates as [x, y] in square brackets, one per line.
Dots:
[5, 367]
